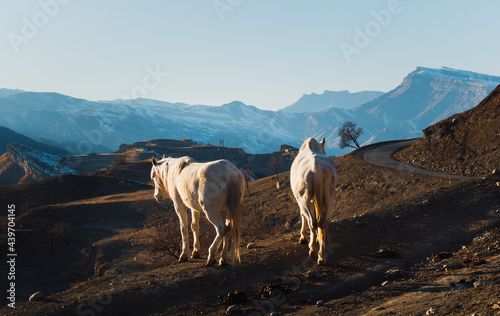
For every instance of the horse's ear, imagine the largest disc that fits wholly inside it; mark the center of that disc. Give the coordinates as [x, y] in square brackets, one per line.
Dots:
[163, 156]
[323, 142]
[184, 161]
[154, 161]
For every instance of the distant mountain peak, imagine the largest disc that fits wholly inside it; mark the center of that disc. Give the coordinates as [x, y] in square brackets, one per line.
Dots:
[235, 103]
[338, 99]
[456, 74]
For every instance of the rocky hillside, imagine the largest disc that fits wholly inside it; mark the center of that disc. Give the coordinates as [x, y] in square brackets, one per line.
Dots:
[467, 143]
[36, 165]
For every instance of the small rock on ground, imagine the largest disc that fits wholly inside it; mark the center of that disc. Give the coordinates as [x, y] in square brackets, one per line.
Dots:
[233, 308]
[38, 296]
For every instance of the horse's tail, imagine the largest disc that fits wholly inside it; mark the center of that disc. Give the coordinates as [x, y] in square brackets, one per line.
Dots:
[234, 199]
[319, 197]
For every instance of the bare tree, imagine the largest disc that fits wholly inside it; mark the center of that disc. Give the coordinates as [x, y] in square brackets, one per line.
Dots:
[349, 135]
[275, 163]
[120, 160]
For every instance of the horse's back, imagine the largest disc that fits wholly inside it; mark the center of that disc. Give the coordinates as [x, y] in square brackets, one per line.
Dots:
[212, 179]
[310, 169]
[220, 171]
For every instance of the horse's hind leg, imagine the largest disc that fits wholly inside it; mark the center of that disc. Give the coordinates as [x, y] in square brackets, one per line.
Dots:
[181, 211]
[216, 219]
[303, 229]
[215, 244]
[195, 227]
[225, 244]
[323, 229]
[306, 212]
[321, 240]
[312, 242]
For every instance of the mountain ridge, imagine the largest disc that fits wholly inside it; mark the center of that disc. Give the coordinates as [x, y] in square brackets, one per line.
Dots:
[424, 97]
[328, 99]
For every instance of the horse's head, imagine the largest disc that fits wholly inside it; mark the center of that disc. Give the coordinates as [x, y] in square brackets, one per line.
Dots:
[314, 146]
[158, 172]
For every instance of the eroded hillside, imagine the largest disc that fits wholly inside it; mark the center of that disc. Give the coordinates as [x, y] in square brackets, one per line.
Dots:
[467, 143]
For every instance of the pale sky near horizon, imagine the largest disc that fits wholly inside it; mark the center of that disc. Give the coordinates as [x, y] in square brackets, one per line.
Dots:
[263, 53]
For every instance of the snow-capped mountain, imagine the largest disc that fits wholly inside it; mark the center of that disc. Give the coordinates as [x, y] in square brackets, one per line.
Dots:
[80, 126]
[331, 99]
[425, 96]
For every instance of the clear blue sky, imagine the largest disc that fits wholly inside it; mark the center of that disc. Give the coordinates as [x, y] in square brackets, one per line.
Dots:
[264, 53]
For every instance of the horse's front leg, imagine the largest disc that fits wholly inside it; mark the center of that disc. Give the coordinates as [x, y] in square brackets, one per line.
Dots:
[181, 211]
[195, 227]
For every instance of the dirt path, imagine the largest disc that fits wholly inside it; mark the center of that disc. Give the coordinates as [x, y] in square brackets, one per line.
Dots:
[382, 155]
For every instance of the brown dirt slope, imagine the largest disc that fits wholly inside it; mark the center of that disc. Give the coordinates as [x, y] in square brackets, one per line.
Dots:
[467, 143]
[386, 224]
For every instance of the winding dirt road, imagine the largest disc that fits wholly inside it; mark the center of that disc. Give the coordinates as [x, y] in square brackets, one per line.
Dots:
[382, 155]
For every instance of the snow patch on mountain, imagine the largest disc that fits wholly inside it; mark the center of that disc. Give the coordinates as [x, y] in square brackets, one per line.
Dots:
[46, 164]
[446, 72]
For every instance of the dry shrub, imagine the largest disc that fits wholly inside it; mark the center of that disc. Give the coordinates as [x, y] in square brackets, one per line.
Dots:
[58, 231]
[164, 242]
[257, 226]
[372, 194]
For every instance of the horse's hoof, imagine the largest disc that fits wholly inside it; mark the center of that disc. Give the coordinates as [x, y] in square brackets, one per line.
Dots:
[303, 241]
[183, 258]
[321, 262]
[210, 261]
[311, 253]
[222, 262]
[195, 255]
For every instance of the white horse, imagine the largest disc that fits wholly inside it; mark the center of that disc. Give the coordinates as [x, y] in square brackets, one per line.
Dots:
[215, 188]
[313, 179]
